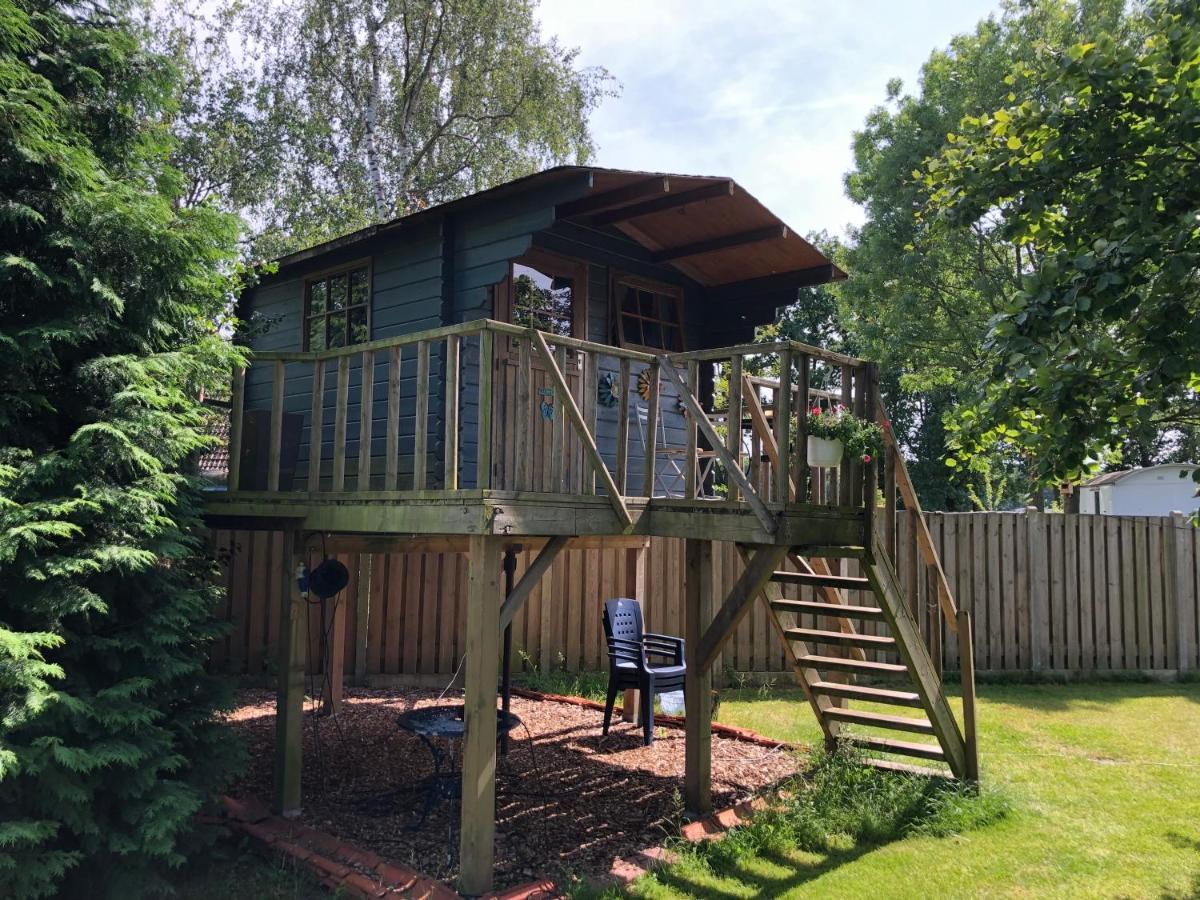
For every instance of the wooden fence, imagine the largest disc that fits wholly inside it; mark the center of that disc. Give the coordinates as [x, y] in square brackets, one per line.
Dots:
[1047, 592]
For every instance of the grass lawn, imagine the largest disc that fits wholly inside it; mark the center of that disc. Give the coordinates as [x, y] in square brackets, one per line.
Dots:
[1103, 781]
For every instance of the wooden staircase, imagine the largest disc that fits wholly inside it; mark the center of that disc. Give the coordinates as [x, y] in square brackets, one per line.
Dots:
[829, 652]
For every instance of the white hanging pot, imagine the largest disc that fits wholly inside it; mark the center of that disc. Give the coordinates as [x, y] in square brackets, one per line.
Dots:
[825, 452]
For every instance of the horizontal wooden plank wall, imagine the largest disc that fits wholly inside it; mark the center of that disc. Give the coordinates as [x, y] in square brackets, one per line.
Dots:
[1047, 592]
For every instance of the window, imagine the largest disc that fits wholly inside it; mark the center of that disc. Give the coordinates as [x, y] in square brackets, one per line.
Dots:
[546, 291]
[337, 309]
[648, 315]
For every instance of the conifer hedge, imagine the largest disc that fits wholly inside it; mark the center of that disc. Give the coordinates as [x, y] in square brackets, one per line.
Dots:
[110, 298]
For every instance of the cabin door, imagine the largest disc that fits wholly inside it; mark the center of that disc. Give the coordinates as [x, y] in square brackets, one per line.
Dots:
[549, 292]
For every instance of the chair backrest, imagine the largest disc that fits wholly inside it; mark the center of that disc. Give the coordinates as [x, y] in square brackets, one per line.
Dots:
[623, 621]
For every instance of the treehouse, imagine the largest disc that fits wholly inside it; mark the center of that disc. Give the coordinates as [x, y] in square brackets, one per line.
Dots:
[567, 360]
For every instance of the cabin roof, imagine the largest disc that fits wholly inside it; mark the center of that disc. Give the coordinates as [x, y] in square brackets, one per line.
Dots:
[708, 227]
[1122, 474]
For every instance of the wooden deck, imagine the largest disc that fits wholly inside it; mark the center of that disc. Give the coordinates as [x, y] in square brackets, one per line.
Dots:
[491, 468]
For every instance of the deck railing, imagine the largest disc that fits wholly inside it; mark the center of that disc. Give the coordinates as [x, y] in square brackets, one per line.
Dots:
[490, 405]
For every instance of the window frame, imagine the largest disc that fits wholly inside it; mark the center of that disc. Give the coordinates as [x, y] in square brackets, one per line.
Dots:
[324, 275]
[619, 280]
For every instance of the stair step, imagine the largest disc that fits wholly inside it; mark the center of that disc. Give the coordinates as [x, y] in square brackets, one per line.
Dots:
[890, 745]
[870, 694]
[833, 552]
[859, 666]
[817, 579]
[817, 636]
[838, 610]
[879, 720]
[892, 765]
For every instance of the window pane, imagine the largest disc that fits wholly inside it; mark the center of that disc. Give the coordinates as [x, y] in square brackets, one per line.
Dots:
[629, 301]
[652, 334]
[646, 303]
[667, 308]
[541, 300]
[670, 338]
[358, 325]
[632, 329]
[316, 297]
[316, 333]
[335, 332]
[358, 287]
[337, 292]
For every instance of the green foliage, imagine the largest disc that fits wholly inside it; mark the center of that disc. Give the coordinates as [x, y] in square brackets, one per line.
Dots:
[1089, 165]
[109, 299]
[315, 118]
[923, 290]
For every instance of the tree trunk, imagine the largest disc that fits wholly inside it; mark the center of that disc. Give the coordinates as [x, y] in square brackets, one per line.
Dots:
[373, 127]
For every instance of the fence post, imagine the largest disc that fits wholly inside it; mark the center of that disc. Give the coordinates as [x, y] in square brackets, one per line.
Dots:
[1177, 584]
[1039, 587]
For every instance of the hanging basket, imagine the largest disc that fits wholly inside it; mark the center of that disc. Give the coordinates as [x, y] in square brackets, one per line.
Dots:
[825, 452]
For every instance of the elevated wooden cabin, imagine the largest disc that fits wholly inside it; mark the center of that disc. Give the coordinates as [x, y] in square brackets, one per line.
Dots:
[565, 359]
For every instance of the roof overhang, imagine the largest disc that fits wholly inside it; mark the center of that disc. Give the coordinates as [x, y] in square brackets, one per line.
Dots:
[708, 228]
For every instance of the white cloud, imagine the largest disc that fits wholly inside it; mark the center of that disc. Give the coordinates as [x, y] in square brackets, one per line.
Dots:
[767, 92]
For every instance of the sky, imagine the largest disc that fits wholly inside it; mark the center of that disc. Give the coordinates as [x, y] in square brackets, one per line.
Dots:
[767, 92]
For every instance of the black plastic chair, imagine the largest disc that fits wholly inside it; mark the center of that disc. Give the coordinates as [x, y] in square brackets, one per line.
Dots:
[629, 652]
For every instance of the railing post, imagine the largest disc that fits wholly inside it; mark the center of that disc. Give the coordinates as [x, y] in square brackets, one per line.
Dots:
[591, 378]
[392, 468]
[525, 418]
[623, 427]
[691, 472]
[651, 428]
[275, 448]
[783, 428]
[450, 438]
[316, 428]
[733, 420]
[845, 475]
[966, 667]
[802, 432]
[421, 421]
[867, 404]
[339, 424]
[483, 471]
[237, 403]
[366, 411]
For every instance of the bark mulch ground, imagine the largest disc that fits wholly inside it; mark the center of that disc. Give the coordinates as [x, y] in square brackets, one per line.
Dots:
[569, 801]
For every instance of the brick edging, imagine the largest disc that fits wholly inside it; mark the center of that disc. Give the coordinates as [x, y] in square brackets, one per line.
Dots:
[729, 731]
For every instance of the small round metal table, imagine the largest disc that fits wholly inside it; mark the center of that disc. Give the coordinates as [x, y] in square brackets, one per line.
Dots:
[436, 724]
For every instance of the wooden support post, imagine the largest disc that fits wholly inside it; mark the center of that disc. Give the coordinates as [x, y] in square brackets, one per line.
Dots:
[289, 704]
[477, 828]
[450, 439]
[591, 379]
[635, 589]
[966, 652]
[698, 594]
[1039, 586]
[362, 616]
[333, 660]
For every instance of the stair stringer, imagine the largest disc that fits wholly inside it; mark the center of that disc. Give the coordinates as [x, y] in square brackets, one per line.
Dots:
[885, 582]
